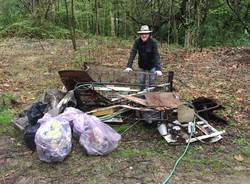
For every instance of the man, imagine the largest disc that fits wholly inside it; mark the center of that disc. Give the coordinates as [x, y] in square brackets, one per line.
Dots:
[149, 58]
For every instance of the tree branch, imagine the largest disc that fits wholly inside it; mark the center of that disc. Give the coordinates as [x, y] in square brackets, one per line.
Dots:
[238, 17]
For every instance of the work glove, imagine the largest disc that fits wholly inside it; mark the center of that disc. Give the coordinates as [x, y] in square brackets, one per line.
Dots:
[128, 70]
[158, 73]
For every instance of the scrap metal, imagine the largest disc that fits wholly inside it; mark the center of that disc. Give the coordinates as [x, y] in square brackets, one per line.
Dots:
[112, 100]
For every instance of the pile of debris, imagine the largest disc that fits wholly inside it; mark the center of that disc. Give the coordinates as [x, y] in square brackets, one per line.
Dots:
[88, 105]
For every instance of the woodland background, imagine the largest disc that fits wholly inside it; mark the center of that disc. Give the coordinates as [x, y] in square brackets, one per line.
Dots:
[185, 23]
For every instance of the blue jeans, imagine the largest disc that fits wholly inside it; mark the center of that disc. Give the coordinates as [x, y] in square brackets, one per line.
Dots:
[142, 77]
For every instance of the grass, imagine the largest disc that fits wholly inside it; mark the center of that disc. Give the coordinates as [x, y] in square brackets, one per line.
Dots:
[240, 141]
[195, 158]
[6, 113]
[246, 153]
[120, 128]
[5, 116]
[134, 152]
[232, 123]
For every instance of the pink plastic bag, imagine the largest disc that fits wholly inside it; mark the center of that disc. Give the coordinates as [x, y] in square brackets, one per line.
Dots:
[76, 118]
[98, 138]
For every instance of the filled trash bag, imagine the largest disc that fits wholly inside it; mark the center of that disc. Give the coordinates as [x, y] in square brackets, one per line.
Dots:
[29, 136]
[36, 111]
[53, 139]
[76, 118]
[98, 138]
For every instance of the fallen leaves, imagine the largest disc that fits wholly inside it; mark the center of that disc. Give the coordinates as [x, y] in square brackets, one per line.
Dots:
[238, 158]
[6, 85]
[24, 99]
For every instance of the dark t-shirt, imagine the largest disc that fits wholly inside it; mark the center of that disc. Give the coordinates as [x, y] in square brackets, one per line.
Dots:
[148, 54]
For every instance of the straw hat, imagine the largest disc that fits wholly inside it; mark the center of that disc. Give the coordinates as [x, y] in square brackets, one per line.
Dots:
[144, 29]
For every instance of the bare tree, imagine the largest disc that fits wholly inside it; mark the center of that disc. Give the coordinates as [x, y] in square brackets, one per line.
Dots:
[71, 22]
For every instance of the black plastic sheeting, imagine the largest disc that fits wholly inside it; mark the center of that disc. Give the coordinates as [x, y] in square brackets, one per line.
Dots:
[36, 112]
[29, 136]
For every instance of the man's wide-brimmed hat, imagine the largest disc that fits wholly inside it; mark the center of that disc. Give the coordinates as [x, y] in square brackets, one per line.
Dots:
[144, 29]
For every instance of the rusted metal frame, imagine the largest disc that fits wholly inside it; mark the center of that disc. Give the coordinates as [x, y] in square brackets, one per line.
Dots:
[208, 109]
[135, 123]
[206, 136]
[202, 119]
[122, 84]
[149, 89]
[84, 76]
[170, 80]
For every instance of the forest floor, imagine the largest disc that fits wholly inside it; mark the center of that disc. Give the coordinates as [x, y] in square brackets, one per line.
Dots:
[28, 67]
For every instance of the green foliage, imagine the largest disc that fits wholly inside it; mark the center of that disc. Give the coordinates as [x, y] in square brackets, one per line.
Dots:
[207, 23]
[9, 11]
[223, 28]
[120, 128]
[246, 153]
[5, 100]
[5, 112]
[129, 153]
[5, 116]
[30, 28]
[240, 141]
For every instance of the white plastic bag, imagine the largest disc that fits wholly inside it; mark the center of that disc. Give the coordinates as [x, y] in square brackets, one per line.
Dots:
[53, 139]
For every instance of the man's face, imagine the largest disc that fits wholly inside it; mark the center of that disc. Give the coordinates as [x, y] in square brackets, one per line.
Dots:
[144, 36]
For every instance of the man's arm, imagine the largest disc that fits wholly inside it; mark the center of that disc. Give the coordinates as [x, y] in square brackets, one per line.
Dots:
[156, 56]
[133, 53]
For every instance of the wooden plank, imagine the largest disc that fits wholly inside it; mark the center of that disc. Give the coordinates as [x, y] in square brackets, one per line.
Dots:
[103, 112]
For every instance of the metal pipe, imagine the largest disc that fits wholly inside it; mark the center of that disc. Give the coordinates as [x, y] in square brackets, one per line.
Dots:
[122, 84]
[170, 80]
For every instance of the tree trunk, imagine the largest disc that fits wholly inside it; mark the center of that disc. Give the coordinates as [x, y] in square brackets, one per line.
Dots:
[49, 7]
[70, 22]
[112, 24]
[97, 29]
[187, 30]
[73, 23]
[36, 8]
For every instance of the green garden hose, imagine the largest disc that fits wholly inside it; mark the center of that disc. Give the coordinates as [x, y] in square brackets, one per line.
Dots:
[182, 155]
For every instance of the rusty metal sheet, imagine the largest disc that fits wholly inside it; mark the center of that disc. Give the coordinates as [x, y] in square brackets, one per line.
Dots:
[90, 99]
[162, 99]
[72, 77]
[136, 100]
[87, 99]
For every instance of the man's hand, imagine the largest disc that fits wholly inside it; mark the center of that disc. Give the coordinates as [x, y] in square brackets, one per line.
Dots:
[158, 73]
[128, 70]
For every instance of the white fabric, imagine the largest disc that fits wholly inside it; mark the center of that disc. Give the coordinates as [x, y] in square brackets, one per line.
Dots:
[128, 70]
[158, 73]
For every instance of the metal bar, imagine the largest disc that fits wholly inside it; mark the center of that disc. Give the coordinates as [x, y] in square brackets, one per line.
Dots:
[218, 133]
[129, 127]
[205, 121]
[170, 79]
[123, 84]
[210, 108]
